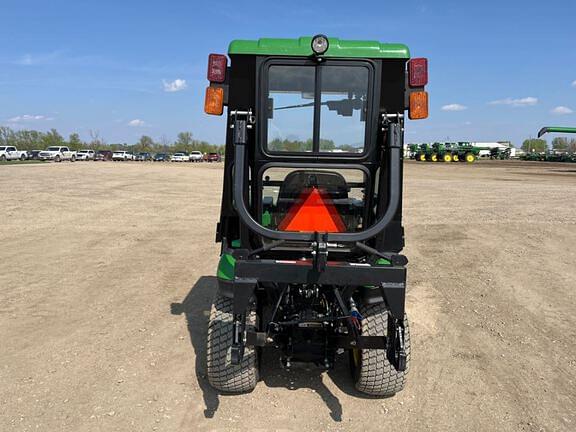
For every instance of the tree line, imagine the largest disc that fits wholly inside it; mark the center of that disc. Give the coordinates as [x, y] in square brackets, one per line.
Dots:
[288, 145]
[561, 144]
[37, 140]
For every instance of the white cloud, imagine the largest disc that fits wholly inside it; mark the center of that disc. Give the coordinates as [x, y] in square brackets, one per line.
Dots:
[454, 107]
[27, 118]
[522, 102]
[174, 86]
[561, 110]
[136, 123]
[574, 83]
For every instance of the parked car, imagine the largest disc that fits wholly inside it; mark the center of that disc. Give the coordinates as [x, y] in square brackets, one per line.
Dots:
[103, 155]
[180, 157]
[212, 157]
[196, 156]
[12, 153]
[161, 157]
[143, 156]
[85, 155]
[33, 154]
[57, 154]
[122, 155]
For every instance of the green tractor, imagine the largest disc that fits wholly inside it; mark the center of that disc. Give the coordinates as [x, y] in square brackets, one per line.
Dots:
[442, 151]
[466, 152]
[311, 216]
[413, 151]
[426, 153]
[500, 154]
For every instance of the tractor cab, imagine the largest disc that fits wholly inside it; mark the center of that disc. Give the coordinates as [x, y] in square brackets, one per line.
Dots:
[311, 214]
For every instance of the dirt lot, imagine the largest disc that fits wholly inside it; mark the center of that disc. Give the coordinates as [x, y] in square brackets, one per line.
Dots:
[106, 283]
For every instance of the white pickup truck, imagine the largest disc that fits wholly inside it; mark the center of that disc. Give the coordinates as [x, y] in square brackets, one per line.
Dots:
[57, 154]
[12, 153]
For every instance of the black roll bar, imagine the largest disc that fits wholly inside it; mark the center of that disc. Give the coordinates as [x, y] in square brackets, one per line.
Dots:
[394, 143]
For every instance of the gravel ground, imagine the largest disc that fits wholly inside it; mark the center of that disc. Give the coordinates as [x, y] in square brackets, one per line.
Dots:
[107, 280]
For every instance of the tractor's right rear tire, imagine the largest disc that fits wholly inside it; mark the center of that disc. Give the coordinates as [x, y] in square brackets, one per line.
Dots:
[372, 371]
[222, 374]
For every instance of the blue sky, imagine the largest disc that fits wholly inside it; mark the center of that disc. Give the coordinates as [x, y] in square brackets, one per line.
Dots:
[499, 70]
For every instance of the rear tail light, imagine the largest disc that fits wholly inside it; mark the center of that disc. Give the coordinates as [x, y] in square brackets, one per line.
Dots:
[418, 105]
[418, 72]
[214, 101]
[217, 64]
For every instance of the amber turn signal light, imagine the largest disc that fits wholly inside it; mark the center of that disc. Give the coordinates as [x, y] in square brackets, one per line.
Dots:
[214, 101]
[418, 105]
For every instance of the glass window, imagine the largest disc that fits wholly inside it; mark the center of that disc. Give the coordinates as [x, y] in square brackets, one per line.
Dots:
[290, 108]
[344, 93]
[338, 92]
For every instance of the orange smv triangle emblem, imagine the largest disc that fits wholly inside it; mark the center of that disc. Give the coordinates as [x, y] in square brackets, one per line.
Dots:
[313, 213]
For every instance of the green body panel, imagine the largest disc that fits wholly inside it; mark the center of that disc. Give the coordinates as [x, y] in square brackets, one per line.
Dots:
[226, 267]
[337, 48]
[556, 129]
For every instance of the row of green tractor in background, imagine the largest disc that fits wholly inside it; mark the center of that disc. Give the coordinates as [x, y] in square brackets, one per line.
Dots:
[452, 152]
[549, 156]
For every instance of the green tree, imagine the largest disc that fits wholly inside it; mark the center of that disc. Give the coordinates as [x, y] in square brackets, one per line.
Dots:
[572, 146]
[560, 143]
[6, 136]
[74, 142]
[184, 139]
[534, 144]
[53, 138]
[145, 144]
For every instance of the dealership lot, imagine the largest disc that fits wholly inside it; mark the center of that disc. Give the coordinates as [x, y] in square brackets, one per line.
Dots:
[107, 279]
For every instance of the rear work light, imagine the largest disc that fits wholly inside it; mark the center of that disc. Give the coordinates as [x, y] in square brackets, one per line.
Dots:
[214, 101]
[418, 72]
[217, 64]
[418, 105]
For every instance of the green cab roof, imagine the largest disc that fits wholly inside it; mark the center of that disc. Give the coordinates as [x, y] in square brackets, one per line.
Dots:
[337, 48]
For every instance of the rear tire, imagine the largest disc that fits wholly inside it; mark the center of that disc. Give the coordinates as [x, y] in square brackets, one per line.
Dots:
[447, 158]
[372, 371]
[222, 374]
[57, 159]
[470, 158]
[23, 157]
[455, 158]
[3, 158]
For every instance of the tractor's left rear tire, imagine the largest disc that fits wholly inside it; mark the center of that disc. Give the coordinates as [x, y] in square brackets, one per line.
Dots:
[372, 371]
[222, 374]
